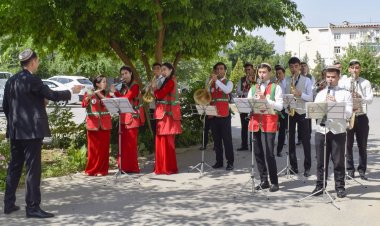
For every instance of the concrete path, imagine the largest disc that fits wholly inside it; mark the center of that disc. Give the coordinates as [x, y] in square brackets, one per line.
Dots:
[217, 198]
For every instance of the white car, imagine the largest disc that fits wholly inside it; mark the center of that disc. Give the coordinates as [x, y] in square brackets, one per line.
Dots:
[3, 79]
[70, 81]
[56, 86]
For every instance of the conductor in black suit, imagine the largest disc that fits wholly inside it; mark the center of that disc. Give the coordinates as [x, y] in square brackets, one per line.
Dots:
[27, 125]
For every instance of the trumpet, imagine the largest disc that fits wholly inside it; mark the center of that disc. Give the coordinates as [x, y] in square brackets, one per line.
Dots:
[203, 96]
[291, 111]
[148, 96]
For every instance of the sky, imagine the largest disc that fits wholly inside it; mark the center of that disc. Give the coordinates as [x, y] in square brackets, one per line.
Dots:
[319, 13]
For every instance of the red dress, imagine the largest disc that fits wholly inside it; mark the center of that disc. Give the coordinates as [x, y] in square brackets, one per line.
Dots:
[130, 123]
[168, 116]
[98, 123]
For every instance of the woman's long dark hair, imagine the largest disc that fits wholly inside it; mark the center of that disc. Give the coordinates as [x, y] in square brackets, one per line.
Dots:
[98, 79]
[170, 66]
[127, 68]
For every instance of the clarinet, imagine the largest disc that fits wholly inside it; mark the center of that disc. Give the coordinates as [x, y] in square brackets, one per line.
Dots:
[324, 119]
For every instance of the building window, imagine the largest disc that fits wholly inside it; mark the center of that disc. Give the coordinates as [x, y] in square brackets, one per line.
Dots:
[353, 35]
[336, 49]
[336, 36]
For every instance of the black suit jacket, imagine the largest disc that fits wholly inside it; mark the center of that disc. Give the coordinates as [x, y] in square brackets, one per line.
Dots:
[24, 106]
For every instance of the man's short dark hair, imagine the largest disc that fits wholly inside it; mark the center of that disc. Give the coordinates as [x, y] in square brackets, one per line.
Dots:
[294, 60]
[303, 63]
[156, 64]
[248, 65]
[279, 67]
[353, 62]
[220, 63]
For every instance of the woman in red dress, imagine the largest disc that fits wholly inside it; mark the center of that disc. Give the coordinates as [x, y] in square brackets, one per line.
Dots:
[130, 122]
[168, 116]
[99, 126]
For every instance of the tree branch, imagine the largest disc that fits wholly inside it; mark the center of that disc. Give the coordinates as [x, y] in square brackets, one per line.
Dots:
[177, 58]
[145, 61]
[119, 52]
[160, 35]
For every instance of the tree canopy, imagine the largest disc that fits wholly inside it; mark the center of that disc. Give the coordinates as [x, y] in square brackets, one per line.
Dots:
[146, 30]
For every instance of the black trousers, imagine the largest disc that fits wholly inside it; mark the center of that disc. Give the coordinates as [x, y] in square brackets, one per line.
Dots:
[221, 133]
[304, 129]
[244, 129]
[153, 123]
[268, 155]
[361, 130]
[282, 131]
[335, 148]
[30, 152]
[207, 128]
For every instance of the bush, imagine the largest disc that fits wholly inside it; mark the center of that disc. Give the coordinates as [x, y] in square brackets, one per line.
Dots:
[4, 160]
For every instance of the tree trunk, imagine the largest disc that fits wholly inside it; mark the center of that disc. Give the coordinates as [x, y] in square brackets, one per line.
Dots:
[177, 58]
[160, 35]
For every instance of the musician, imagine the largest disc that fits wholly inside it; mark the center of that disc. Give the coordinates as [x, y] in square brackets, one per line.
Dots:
[264, 127]
[335, 134]
[98, 125]
[283, 117]
[306, 72]
[168, 116]
[360, 88]
[220, 89]
[302, 93]
[242, 89]
[130, 122]
[156, 68]
[207, 127]
[342, 77]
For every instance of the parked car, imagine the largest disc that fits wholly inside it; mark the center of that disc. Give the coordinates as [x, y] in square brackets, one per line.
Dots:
[2, 87]
[5, 75]
[70, 81]
[56, 86]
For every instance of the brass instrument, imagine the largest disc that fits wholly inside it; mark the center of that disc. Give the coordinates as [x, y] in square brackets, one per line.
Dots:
[203, 96]
[148, 96]
[351, 121]
[292, 111]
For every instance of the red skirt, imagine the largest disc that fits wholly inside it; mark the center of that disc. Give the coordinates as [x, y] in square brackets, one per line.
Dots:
[166, 161]
[98, 152]
[129, 161]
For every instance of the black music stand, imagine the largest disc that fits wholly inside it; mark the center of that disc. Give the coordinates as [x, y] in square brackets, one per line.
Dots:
[118, 105]
[204, 111]
[289, 103]
[257, 106]
[326, 112]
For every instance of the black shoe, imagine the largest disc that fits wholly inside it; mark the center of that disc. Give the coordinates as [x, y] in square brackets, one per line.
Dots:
[274, 188]
[217, 165]
[263, 185]
[351, 175]
[202, 148]
[362, 176]
[8, 210]
[341, 193]
[279, 154]
[229, 167]
[317, 191]
[307, 173]
[37, 212]
[242, 149]
[298, 142]
[293, 171]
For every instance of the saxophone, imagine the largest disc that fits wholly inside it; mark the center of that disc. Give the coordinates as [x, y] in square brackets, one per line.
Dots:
[292, 111]
[148, 96]
[351, 121]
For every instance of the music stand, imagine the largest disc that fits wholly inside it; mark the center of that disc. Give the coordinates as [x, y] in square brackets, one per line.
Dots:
[250, 106]
[204, 111]
[326, 112]
[118, 105]
[289, 102]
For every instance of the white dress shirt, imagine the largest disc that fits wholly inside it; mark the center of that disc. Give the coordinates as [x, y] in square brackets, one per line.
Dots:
[277, 104]
[227, 89]
[336, 126]
[363, 87]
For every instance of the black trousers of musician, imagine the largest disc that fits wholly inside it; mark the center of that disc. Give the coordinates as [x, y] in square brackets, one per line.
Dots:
[244, 130]
[335, 148]
[282, 131]
[361, 130]
[268, 155]
[28, 151]
[221, 133]
[207, 128]
[153, 123]
[304, 129]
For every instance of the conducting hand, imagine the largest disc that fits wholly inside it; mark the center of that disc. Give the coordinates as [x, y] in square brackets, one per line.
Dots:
[76, 89]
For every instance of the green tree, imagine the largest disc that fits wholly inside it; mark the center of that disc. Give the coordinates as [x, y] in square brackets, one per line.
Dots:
[305, 58]
[368, 60]
[249, 48]
[320, 65]
[237, 72]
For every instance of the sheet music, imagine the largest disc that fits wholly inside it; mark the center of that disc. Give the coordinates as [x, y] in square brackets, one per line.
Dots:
[332, 109]
[243, 105]
[261, 106]
[289, 100]
[208, 110]
[118, 105]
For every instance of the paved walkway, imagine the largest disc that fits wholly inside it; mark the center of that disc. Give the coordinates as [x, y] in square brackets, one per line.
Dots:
[216, 198]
